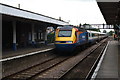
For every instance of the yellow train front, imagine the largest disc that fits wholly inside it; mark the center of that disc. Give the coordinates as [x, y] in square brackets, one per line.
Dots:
[66, 39]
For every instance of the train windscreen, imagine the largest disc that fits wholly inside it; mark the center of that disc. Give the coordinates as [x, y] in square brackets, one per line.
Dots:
[64, 33]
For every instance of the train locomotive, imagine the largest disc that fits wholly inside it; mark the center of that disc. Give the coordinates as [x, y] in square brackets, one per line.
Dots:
[68, 38]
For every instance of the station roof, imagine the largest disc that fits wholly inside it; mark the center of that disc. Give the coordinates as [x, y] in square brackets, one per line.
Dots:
[110, 10]
[17, 12]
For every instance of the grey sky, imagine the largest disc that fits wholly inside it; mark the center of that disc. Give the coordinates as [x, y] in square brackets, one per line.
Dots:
[75, 11]
[107, 0]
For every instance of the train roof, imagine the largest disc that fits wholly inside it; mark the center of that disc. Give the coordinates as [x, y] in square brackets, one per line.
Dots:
[95, 32]
[69, 27]
[102, 33]
[65, 27]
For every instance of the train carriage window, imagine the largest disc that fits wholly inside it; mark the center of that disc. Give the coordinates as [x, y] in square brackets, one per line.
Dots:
[93, 34]
[89, 34]
[96, 34]
[86, 36]
[64, 33]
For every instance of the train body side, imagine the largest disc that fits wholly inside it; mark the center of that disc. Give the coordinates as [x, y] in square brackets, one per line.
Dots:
[67, 39]
[93, 36]
[82, 38]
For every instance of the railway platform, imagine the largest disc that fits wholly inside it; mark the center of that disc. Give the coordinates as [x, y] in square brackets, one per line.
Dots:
[110, 68]
[26, 51]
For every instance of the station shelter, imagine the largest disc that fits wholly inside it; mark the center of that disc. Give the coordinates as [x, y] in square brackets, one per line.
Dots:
[22, 28]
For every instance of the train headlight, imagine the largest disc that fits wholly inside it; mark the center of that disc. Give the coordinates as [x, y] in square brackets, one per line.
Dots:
[69, 42]
[57, 42]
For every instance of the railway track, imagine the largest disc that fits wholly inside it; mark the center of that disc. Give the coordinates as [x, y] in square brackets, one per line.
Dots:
[13, 66]
[84, 70]
[57, 68]
[34, 70]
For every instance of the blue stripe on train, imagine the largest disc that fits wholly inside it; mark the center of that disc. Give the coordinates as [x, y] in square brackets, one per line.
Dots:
[65, 47]
[82, 38]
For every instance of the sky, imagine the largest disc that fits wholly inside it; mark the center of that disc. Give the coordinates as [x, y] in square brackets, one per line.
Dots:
[72, 11]
[75, 11]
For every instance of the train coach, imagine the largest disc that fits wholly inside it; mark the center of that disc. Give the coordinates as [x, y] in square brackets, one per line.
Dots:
[68, 38]
[94, 36]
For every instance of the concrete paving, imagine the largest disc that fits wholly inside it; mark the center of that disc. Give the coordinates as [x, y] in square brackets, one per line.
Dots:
[22, 51]
[119, 59]
[109, 67]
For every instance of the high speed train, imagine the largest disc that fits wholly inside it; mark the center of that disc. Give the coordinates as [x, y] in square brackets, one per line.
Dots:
[68, 38]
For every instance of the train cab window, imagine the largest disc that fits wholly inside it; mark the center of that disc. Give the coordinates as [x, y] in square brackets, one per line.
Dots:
[76, 34]
[65, 33]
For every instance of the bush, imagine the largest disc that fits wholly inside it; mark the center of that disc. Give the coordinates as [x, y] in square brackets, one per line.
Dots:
[51, 37]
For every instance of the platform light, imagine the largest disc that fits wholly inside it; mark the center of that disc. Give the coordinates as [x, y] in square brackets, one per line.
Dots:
[69, 42]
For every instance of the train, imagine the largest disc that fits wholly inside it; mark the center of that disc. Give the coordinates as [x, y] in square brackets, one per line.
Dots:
[68, 38]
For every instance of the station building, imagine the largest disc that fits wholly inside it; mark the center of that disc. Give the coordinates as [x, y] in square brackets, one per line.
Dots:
[22, 28]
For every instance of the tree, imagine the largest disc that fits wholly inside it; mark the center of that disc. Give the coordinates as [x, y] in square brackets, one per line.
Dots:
[87, 26]
[111, 33]
[104, 31]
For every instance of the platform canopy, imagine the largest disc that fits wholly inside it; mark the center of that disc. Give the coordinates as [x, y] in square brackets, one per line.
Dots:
[110, 10]
[111, 13]
[20, 13]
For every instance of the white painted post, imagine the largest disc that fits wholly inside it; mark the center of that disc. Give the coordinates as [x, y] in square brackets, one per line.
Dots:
[45, 37]
[14, 36]
[29, 36]
[33, 36]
